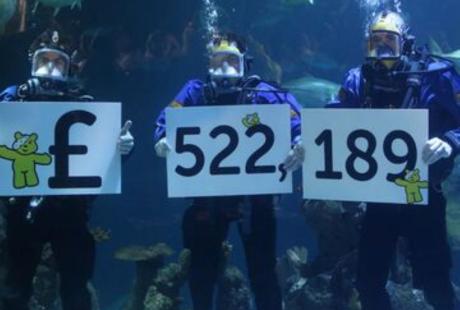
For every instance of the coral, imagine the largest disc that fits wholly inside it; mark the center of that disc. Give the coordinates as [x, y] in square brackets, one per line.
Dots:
[46, 281]
[233, 293]
[169, 279]
[142, 253]
[334, 243]
[148, 261]
[451, 188]
[157, 301]
[453, 223]
[329, 281]
[94, 299]
[298, 257]
[404, 297]
[313, 294]
[46, 285]
[164, 293]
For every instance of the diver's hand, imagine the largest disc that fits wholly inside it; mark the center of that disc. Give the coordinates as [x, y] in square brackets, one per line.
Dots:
[295, 157]
[125, 142]
[162, 148]
[436, 149]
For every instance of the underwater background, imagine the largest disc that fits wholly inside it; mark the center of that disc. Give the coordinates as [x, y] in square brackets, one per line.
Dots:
[141, 52]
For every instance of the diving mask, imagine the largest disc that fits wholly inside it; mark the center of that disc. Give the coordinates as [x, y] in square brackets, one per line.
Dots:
[384, 45]
[50, 63]
[226, 65]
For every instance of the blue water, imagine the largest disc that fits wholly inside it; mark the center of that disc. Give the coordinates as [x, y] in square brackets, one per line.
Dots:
[330, 31]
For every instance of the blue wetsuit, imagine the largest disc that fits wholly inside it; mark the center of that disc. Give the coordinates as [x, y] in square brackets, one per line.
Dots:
[205, 223]
[194, 94]
[424, 227]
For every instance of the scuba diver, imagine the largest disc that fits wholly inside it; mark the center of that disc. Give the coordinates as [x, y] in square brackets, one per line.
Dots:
[59, 220]
[397, 75]
[206, 222]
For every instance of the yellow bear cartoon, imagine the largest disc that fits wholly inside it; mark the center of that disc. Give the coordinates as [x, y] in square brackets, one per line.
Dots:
[24, 157]
[413, 186]
[251, 120]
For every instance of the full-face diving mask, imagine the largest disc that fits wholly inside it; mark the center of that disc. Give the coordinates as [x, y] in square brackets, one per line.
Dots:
[226, 61]
[50, 63]
[386, 36]
[226, 65]
[384, 45]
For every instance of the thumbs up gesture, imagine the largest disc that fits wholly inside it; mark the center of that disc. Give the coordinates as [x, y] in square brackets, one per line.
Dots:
[125, 142]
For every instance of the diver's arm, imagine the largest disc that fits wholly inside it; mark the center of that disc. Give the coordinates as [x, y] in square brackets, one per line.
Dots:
[9, 94]
[350, 93]
[160, 129]
[448, 97]
[453, 138]
[296, 155]
[189, 95]
[271, 95]
[295, 112]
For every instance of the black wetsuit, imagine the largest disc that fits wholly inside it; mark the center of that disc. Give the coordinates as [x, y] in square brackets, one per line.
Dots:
[205, 227]
[423, 226]
[59, 220]
[206, 222]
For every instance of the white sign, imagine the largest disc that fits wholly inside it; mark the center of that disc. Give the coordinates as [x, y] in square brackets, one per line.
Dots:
[365, 155]
[228, 150]
[59, 148]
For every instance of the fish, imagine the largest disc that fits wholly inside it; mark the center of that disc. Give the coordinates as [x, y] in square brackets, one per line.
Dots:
[312, 92]
[322, 63]
[7, 11]
[277, 13]
[271, 20]
[101, 234]
[437, 50]
[298, 2]
[58, 4]
[297, 256]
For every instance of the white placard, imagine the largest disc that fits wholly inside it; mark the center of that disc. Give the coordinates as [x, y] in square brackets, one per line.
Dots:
[228, 150]
[355, 155]
[59, 148]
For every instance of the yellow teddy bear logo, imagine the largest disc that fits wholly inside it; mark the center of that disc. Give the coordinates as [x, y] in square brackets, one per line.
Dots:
[412, 185]
[24, 156]
[251, 120]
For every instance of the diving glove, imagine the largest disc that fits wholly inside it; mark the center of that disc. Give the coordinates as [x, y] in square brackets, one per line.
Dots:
[436, 149]
[162, 148]
[295, 157]
[125, 142]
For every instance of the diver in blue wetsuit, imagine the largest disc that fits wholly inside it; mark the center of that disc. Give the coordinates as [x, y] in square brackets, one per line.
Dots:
[206, 222]
[399, 76]
[60, 220]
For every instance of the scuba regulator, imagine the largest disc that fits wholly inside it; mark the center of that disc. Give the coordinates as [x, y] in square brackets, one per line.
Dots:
[42, 88]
